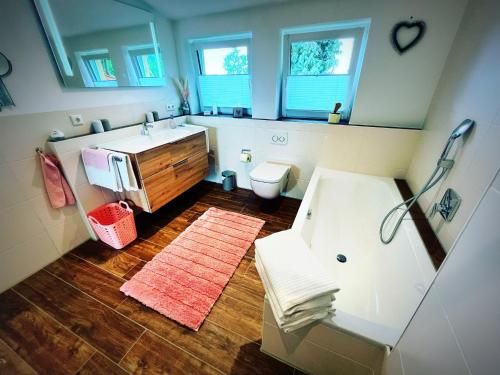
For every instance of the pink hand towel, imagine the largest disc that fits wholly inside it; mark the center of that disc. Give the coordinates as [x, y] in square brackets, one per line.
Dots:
[96, 158]
[57, 187]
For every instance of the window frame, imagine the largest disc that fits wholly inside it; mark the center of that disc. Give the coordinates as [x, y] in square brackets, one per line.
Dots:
[135, 53]
[220, 42]
[83, 58]
[359, 32]
[87, 61]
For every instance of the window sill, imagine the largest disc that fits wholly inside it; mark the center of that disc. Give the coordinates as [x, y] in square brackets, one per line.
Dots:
[284, 119]
[312, 120]
[116, 128]
[225, 115]
[307, 120]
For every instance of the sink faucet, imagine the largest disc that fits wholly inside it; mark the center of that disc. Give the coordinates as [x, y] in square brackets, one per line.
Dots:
[146, 126]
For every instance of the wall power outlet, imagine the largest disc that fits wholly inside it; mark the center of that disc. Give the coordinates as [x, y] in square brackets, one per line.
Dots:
[76, 120]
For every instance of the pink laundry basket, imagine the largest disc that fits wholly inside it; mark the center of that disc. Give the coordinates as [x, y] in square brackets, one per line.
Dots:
[114, 224]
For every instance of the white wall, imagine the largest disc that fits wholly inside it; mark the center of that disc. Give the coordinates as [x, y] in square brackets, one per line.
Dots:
[381, 152]
[393, 91]
[469, 88]
[456, 330]
[32, 233]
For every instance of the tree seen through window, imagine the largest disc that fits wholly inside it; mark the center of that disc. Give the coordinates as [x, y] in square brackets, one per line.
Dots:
[315, 57]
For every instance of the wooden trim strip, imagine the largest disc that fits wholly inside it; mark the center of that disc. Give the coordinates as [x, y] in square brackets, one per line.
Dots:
[434, 248]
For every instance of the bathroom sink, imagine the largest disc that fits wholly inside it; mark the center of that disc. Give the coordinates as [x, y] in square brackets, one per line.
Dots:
[157, 136]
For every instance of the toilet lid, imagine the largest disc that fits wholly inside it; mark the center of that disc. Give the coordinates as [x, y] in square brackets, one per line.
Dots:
[268, 172]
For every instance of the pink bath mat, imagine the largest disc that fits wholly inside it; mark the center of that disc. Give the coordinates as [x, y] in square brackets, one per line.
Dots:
[185, 279]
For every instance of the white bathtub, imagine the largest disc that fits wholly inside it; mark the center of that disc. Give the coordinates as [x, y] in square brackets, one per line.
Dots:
[381, 285]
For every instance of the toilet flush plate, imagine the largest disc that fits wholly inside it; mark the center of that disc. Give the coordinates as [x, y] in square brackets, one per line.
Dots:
[279, 138]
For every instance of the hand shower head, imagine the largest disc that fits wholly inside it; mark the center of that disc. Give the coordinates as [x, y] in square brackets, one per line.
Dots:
[461, 129]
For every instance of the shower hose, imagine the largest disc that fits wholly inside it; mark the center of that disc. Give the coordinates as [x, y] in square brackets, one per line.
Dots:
[443, 165]
[433, 180]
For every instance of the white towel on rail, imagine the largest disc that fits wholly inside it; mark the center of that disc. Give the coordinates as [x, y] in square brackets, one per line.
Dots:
[125, 171]
[101, 169]
[116, 175]
[299, 289]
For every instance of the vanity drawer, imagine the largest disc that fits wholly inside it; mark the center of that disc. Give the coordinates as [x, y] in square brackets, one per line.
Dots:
[164, 186]
[159, 158]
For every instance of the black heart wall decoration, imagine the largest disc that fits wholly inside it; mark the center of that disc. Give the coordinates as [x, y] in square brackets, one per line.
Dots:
[421, 27]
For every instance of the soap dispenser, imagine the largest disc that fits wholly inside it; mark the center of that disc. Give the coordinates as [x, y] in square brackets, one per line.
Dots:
[171, 122]
[56, 135]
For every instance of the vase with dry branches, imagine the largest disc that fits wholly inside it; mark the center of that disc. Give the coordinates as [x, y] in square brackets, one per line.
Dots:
[183, 88]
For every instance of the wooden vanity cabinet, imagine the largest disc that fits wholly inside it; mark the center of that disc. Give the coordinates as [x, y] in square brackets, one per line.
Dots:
[169, 170]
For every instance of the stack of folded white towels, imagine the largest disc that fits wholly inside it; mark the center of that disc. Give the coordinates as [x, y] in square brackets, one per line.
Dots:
[299, 290]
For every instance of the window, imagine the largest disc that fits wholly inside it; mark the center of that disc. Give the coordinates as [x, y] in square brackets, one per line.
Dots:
[101, 68]
[146, 66]
[97, 68]
[321, 69]
[224, 71]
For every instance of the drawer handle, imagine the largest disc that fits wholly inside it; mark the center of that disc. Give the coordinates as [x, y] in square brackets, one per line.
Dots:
[179, 163]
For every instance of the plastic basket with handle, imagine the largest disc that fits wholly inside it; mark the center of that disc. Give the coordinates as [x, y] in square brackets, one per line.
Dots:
[114, 224]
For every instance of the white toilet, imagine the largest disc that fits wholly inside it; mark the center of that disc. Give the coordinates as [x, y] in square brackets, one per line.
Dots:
[269, 179]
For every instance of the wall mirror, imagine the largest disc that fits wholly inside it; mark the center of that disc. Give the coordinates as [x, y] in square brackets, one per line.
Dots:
[102, 43]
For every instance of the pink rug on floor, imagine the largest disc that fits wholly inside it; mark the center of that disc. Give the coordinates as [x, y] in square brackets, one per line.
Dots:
[185, 279]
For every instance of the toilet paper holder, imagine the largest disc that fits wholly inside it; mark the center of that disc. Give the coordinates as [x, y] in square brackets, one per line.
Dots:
[246, 156]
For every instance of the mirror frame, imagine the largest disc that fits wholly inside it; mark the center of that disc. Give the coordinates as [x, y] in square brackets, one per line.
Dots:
[9, 66]
[5, 98]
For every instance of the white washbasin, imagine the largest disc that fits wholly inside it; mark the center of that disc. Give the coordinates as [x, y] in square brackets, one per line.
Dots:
[158, 136]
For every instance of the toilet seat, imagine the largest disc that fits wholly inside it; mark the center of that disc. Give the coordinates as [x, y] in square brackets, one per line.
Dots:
[269, 173]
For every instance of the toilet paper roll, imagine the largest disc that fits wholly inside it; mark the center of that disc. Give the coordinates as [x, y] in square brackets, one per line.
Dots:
[96, 126]
[149, 117]
[106, 125]
[245, 157]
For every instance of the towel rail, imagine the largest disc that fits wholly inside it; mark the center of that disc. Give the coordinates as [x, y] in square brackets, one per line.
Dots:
[115, 158]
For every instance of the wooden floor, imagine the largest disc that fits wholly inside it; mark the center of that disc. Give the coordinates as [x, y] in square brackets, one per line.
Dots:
[71, 317]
